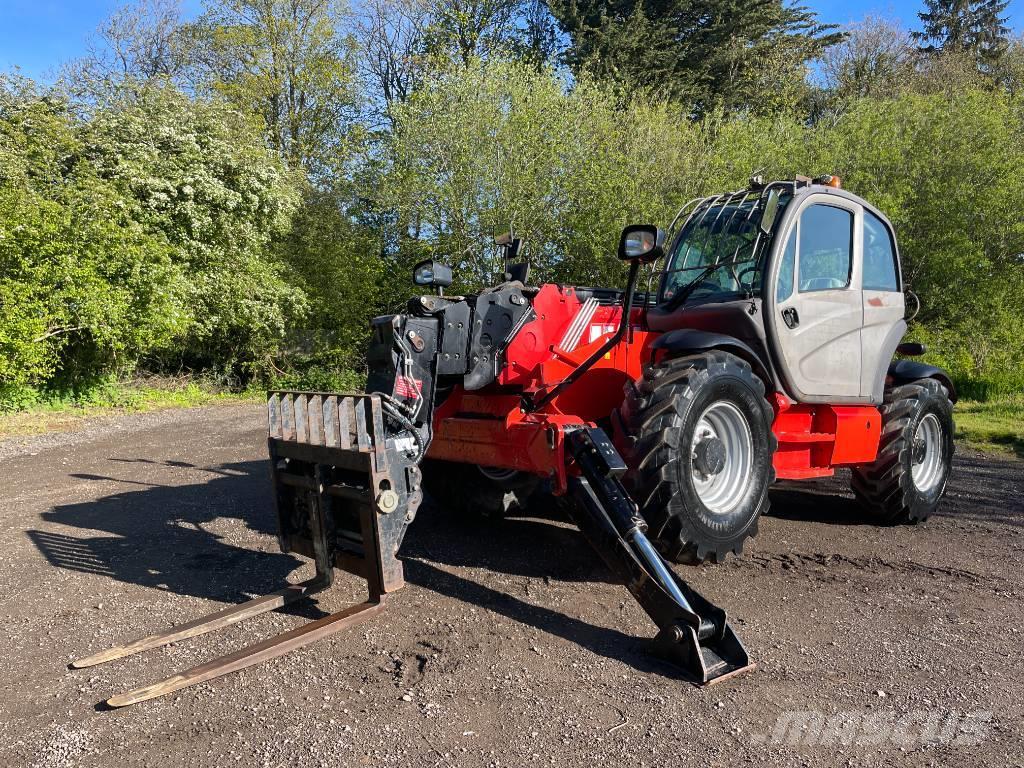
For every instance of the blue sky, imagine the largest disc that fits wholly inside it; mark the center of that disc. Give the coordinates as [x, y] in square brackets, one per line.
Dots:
[39, 35]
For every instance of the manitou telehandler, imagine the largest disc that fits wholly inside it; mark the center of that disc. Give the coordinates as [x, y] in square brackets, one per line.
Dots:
[765, 353]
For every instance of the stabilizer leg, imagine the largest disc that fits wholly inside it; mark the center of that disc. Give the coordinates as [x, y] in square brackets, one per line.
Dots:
[693, 633]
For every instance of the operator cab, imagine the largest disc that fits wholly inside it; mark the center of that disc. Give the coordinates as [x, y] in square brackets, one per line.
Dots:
[815, 292]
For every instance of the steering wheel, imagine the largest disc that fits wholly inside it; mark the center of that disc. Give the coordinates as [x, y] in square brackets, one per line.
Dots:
[822, 284]
[747, 271]
[706, 285]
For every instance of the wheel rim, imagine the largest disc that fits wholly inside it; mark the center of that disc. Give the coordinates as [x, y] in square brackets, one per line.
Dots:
[721, 491]
[926, 467]
[497, 474]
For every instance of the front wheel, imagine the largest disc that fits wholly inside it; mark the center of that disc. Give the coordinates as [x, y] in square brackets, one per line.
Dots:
[701, 454]
[908, 478]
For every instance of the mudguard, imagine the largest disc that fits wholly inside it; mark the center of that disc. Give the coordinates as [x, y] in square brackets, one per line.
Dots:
[909, 371]
[694, 340]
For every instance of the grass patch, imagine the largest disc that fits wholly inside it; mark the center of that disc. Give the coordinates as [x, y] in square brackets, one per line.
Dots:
[66, 412]
[996, 426]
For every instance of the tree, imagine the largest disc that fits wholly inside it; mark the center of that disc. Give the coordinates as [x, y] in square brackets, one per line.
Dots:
[139, 42]
[335, 259]
[483, 149]
[85, 288]
[704, 53]
[288, 62]
[1011, 67]
[402, 41]
[197, 175]
[974, 26]
[537, 42]
[465, 29]
[390, 34]
[875, 59]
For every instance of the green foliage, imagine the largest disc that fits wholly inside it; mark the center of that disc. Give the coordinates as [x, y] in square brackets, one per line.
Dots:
[740, 55]
[285, 61]
[946, 171]
[196, 173]
[997, 425]
[337, 263]
[975, 27]
[81, 281]
[43, 411]
[491, 147]
[143, 232]
[249, 220]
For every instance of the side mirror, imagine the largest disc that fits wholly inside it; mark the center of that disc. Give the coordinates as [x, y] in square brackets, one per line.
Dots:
[771, 210]
[432, 273]
[641, 242]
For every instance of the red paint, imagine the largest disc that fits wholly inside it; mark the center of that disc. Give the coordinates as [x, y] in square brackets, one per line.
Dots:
[489, 428]
[813, 439]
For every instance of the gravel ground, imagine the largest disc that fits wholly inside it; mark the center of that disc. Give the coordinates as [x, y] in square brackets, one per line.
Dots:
[510, 645]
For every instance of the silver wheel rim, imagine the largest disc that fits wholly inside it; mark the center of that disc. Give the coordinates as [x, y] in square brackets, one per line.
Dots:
[926, 466]
[722, 492]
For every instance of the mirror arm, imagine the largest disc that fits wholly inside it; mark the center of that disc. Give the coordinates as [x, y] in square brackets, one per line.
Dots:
[530, 405]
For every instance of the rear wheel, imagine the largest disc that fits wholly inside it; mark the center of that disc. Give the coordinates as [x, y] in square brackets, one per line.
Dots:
[701, 454]
[908, 478]
[477, 491]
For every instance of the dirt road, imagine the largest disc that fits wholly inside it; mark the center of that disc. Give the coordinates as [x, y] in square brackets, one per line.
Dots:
[509, 646]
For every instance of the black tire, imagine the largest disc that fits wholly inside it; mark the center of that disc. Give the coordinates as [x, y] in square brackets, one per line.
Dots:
[468, 490]
[660, 414]
[886, 488]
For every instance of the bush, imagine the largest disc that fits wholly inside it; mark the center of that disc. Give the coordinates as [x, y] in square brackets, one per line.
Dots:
[85, 289]
[141, 234]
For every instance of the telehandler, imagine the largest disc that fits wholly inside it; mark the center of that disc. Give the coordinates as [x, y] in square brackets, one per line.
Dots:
[766, 352]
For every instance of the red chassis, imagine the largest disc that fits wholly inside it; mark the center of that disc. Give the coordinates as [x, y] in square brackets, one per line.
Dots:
[490, 427]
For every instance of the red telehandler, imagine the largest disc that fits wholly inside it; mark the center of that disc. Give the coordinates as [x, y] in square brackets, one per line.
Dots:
[766, 352]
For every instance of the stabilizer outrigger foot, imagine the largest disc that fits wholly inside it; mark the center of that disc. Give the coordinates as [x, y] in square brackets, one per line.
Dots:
[693, 633]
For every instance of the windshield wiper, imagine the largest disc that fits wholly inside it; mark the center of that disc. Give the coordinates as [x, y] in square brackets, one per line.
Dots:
[691, 286]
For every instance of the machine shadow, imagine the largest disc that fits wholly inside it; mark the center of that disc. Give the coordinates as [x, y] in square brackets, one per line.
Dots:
[602, 641]
[165, 537]
[827, 501]
[546, 547]
[981, 489]
[539, 543]
[162, 536]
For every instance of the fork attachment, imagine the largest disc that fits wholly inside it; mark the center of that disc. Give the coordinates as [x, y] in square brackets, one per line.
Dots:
[345, 491]
[345, 488]
[693, 633]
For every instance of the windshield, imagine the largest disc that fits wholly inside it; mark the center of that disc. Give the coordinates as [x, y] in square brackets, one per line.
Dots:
[723, 232]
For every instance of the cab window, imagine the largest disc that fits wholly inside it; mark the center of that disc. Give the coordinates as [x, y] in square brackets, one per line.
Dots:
[784, 286]
[880, 272]
[826, 248]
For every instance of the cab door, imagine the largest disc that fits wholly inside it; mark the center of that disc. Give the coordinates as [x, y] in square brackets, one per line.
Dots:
[818, 307]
